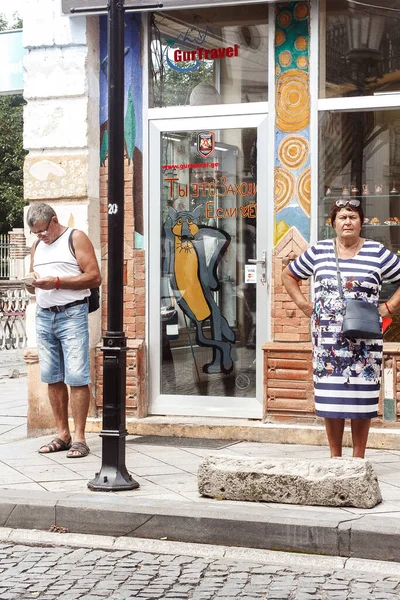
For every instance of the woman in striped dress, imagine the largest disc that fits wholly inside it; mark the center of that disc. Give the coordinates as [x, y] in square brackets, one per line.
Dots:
[347, 372]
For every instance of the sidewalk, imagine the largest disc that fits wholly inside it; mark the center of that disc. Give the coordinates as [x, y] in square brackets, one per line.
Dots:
[40, 491]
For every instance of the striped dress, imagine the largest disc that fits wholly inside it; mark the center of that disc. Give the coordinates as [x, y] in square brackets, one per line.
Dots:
[347, 372]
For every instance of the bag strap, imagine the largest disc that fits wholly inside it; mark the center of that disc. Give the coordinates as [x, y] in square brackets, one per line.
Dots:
[339, 278]
[71, 243]
[36, 245]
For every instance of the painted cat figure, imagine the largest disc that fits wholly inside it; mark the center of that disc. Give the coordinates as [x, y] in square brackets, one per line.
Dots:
[193, 280]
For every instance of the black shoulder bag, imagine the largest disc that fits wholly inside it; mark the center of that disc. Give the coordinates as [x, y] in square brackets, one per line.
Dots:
[94, 298]
[361, 319]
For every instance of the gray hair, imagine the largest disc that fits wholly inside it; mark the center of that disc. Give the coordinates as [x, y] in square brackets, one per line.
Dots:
[39, 213]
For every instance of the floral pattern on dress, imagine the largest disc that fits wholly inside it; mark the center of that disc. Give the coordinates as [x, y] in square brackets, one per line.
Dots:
[344, 357]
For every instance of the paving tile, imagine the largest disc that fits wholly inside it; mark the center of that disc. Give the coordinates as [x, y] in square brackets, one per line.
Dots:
[161, 469]
[10, 475]
[48, 472]
[78, 486]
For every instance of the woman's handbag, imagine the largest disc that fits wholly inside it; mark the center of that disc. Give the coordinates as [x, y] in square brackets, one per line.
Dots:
[361, 319]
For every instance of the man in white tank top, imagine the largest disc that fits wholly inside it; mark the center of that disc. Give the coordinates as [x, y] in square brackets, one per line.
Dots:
[64, 269]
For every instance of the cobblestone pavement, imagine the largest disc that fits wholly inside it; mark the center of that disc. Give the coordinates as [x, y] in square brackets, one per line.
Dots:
[63, 573]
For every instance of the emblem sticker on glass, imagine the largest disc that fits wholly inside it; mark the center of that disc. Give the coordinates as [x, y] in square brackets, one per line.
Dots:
[205, 143]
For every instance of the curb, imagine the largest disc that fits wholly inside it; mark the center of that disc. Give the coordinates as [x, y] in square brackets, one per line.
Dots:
[256, 526]
[268, 557]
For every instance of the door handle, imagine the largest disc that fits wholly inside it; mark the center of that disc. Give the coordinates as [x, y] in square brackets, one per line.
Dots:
[263, 262]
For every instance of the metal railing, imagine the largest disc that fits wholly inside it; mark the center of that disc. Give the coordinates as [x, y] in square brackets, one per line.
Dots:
[13, 303]
[6, 256]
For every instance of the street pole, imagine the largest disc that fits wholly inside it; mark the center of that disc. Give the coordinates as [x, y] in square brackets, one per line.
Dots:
[113, 475]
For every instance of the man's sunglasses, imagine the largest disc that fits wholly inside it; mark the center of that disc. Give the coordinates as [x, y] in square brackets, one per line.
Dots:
[342, 202]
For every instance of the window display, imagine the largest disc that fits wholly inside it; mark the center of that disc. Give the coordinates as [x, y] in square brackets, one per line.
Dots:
[211, 55]
[360, 160]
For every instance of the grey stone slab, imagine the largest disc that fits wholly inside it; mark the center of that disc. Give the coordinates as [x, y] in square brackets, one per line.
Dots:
[26, 511]
[339, 482]
[376, 538]
[288, 535]
[97, 520]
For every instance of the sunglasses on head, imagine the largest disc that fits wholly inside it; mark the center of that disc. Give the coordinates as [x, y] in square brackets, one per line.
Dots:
[342, 202]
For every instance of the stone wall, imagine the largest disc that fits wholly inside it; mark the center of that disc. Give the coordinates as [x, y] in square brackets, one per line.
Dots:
[61, 134]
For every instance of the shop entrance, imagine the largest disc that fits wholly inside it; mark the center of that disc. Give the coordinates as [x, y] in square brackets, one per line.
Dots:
[208, 280]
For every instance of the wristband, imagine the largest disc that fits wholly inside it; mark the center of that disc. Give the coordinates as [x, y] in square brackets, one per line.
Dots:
[388, 309]
[58, 284]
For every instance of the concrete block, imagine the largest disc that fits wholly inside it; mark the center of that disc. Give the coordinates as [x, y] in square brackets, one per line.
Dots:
[373, 537]
[32, 515]
[55, 176]
[45, 25]
[6, 508]
[55, 72]
[330, 482]
[91, 515]
[56, 124]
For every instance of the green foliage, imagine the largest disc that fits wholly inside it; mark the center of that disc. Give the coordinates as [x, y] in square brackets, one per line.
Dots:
[175, 87]
[12, 153]
[4, 24]
[12, 156]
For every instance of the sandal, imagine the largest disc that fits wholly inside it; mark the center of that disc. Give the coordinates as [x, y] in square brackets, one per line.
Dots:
[56, 445]
[80, 449]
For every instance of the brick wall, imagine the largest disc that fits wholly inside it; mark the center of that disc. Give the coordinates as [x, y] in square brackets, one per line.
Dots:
[288, 323]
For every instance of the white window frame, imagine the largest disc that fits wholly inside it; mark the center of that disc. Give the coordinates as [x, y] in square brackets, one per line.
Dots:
[355, 104]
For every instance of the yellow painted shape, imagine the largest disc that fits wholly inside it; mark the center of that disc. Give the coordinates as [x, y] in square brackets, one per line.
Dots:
[187, 279]
[281, 228]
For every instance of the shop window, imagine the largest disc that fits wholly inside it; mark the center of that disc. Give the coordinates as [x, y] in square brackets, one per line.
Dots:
[360, 49]
[208, 56]
[360, 157]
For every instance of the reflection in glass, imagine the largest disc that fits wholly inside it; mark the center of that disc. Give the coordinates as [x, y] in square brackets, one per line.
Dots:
[360, 50]
[360, 157]
[209, 56]
[208, 233]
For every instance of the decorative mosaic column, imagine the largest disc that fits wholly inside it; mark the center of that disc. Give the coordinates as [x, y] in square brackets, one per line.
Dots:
[292, 161]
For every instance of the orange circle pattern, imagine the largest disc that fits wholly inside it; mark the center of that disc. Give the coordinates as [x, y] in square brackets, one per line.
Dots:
[293, 151]
[293, 101]
[280, 37]
[284, 188]
[304, 191]
[285, 58]
[301, 43]
[285, 19]
[302, 62]
[301, 11]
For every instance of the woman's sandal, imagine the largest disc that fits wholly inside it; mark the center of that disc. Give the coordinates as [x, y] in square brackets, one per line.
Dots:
[78, 450]
[55, 445]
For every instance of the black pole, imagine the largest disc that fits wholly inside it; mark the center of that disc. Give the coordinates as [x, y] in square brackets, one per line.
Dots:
[113, 475]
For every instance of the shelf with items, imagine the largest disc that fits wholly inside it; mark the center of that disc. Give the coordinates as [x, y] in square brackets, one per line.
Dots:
[373, 196]
[372, 225]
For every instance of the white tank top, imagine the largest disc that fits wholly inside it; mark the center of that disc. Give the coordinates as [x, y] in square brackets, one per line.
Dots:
[56, 260]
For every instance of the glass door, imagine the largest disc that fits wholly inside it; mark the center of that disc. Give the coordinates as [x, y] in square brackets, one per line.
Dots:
[207, 273]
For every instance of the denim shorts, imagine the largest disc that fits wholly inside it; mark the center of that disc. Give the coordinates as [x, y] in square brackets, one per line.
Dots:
[63, 345]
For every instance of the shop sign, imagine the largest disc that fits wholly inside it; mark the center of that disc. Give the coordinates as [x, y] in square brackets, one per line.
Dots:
[206, 54]
[206, 143]
[12, 53]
